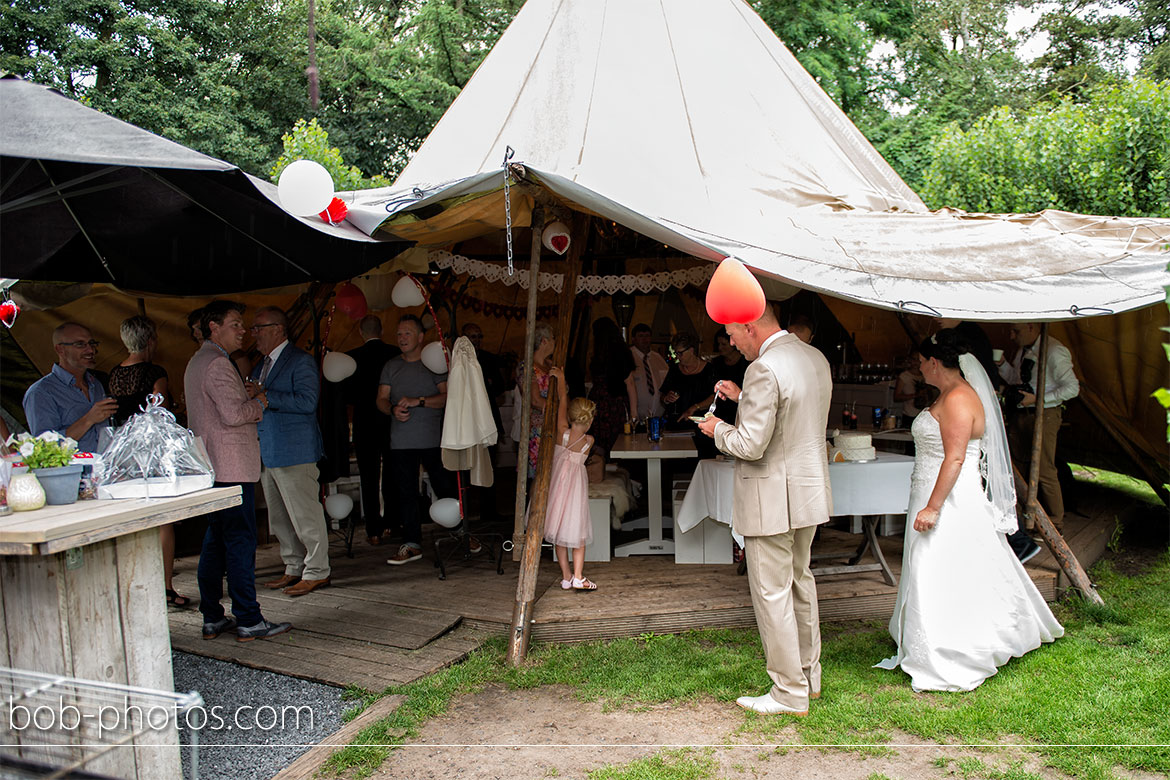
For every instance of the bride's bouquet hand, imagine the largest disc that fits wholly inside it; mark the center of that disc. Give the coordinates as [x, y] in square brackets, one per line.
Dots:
[925, 520]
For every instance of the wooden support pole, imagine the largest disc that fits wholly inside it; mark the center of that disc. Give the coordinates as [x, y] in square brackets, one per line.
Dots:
[521, 630]
[526, 395]
[1038, 376]
[1060, 550]
[1125, 439]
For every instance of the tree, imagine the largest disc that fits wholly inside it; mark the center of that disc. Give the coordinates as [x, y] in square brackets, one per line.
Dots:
[308, 141]
[1109, 155]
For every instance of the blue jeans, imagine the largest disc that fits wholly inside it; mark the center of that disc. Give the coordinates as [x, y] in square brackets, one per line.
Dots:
[229, 547]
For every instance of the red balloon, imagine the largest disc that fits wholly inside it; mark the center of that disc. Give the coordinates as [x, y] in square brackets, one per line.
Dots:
[351, 301]
[734, 294]
[8, 312]
[335, 211]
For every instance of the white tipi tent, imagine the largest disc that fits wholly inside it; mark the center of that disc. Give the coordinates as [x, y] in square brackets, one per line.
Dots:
[690, 122]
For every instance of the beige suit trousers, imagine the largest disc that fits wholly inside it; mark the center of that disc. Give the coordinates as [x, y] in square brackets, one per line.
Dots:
[296, 517]
[1020, 444]
[784, 597]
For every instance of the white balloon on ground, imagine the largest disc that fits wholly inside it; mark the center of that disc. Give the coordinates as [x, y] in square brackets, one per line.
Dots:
[305, 188]
[406, 294]
[338, 506]
[445, 512]
[434, 359]
[338, 366]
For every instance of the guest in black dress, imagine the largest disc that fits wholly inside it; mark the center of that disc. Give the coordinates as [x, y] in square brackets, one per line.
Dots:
[730, 365]
[688, 390]
[612, 371]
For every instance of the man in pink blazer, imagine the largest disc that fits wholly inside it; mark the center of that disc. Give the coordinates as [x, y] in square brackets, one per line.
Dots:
[220, 411]
[781, 496]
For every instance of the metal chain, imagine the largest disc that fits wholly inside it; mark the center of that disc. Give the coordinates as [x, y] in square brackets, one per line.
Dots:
[508, 154]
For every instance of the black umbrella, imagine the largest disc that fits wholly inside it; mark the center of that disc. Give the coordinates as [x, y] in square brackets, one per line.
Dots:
[85, 197]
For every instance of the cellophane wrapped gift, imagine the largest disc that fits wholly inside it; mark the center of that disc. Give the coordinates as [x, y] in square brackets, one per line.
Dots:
[152, 456]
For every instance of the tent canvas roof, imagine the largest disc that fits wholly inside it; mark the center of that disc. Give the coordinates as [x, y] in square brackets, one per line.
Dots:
[691, 123]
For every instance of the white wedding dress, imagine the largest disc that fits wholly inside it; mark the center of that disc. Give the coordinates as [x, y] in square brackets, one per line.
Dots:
[965, 604]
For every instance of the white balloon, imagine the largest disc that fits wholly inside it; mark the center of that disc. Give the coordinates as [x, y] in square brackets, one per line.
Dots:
[305, 188]
[445, 512]
[406, 294]
[338, 505]
[338, 366]
[434, 359]
[428, 321]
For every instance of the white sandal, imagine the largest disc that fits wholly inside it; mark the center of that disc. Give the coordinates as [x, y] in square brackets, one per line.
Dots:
[566, 584]
[583, 584]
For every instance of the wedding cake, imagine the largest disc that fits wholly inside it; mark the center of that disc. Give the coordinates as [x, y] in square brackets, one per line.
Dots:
[852, 446]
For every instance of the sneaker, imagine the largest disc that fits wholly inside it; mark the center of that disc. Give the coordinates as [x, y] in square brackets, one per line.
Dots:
[212, 630]
[1029, 552]
[262, 630]
[473, 545]
[405, 554]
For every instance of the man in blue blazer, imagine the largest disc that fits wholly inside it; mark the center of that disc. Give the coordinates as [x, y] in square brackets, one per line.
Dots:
[290, 446]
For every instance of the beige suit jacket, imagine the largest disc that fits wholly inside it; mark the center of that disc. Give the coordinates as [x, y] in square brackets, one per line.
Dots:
[781, 471]
[219, 410]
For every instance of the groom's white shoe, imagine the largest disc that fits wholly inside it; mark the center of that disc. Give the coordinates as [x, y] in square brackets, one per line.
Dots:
[768, 706]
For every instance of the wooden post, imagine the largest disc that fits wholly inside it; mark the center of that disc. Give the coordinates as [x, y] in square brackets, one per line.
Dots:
[521, 629]
[1126, 440]
[1060, 550]
[1039, 376]
[526, 396]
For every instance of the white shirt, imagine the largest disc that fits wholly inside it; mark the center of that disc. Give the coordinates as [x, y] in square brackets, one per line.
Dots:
[649, 405]
[1060, 382]
[772, 338]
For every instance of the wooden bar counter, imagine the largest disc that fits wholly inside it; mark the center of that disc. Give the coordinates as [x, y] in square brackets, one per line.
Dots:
[81, 595]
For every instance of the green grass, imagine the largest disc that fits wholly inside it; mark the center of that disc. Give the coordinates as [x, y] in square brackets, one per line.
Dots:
[1106, 683]
[683, 764]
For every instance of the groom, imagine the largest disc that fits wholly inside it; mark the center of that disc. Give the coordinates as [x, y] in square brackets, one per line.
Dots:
[781, 495]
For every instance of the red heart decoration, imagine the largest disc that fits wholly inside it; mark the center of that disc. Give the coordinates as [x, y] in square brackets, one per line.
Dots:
[734, 295]
[351, 301]
[559, 243]
[335, 211]
[8, 312]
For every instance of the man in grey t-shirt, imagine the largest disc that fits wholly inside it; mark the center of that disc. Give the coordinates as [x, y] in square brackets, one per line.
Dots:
[414, 397]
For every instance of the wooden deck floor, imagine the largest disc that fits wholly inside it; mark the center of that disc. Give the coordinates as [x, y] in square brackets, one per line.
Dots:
[382, 625]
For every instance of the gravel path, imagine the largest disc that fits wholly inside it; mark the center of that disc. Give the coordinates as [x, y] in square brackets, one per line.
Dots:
[244, 738]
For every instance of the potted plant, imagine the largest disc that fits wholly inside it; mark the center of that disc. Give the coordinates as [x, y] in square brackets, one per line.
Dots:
[49, 456]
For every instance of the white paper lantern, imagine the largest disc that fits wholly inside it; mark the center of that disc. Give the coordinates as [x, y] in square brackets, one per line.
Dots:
[305, 188]
[338, 366]
[556, 237]
[445, 512]
[406, 294]
[338, 505]
[434, 358]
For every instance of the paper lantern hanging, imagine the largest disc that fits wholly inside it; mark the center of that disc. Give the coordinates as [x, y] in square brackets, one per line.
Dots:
[445, 512]
[338, 506]
[8, 312]
[335, 211]
[406, 294]
[434, 358]
[338, 366]
[556, 237]
[351, 301]
[305, 188]
[734, 295]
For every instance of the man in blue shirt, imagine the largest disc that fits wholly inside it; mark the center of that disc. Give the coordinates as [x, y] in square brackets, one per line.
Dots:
[70, 399]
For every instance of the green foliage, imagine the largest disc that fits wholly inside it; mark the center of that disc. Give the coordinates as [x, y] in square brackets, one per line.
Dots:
[1108, 156]
[49, 450]
[309, 141]
[682, 764]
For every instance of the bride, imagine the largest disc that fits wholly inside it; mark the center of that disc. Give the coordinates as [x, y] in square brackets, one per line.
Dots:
[965, 604]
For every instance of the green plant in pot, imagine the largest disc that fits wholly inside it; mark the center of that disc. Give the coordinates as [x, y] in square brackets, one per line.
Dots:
[50, 457]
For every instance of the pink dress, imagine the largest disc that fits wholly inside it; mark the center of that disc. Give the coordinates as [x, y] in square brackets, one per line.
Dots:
[567, 516]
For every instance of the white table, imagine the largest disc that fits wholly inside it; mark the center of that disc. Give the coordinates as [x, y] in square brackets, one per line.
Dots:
[671, 445]
[879, 487]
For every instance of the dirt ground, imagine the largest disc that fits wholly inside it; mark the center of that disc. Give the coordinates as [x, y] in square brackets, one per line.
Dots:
[544, 733]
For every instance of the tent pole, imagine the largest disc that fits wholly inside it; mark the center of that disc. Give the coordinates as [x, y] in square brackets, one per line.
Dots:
[526, 396]
[521, 630]
[76, 221]
[1060, 550]
[1037, 429]
[1125, 440]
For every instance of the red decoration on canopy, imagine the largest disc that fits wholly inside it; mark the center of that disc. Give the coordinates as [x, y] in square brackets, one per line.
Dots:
[335, 211]
[734, 295]
[351, 301]
[8, 312]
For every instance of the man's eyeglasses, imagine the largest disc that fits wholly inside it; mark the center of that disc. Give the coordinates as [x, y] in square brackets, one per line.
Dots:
[257, 328]
[81, 344]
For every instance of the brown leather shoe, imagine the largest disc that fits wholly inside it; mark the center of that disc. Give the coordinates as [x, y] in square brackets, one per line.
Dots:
[305, 586]
[283, 582]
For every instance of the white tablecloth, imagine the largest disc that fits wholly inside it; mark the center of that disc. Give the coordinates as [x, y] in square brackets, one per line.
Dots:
[880, 487]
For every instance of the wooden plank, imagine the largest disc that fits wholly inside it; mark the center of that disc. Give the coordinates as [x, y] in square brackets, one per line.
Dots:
[104, 519]
[357, 623]
[133, 526]
[309, 762]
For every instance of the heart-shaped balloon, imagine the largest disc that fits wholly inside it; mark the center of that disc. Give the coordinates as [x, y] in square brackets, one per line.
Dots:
[734, 294]
[8, 312]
